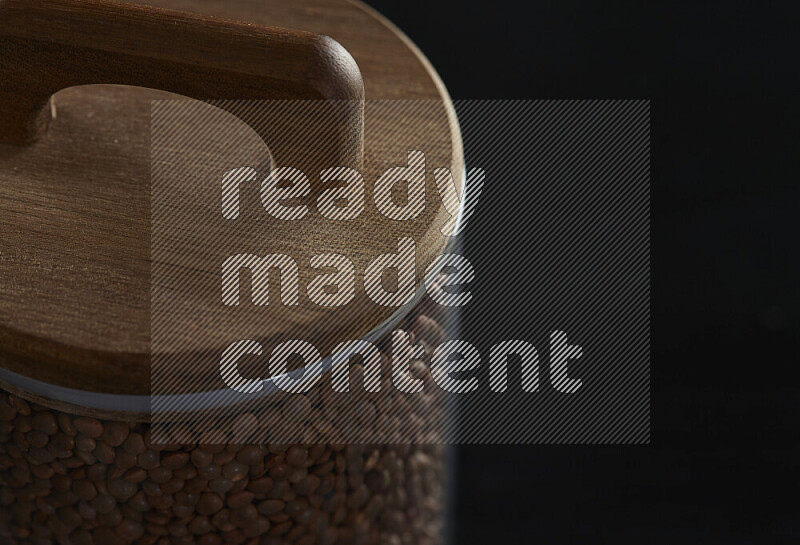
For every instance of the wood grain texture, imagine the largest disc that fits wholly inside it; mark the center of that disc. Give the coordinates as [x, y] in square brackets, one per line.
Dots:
[75, 253]
[49, 45]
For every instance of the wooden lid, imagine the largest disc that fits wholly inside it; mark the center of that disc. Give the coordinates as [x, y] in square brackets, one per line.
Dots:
[75, 212]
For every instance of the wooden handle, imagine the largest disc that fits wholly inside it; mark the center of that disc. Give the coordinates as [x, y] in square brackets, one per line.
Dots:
[48, 45]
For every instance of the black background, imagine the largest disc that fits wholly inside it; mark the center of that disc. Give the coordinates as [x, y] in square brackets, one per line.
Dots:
[723, 79]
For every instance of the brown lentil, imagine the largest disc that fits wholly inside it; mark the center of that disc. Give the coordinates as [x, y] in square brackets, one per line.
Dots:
[75, 480]
[88, 427]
